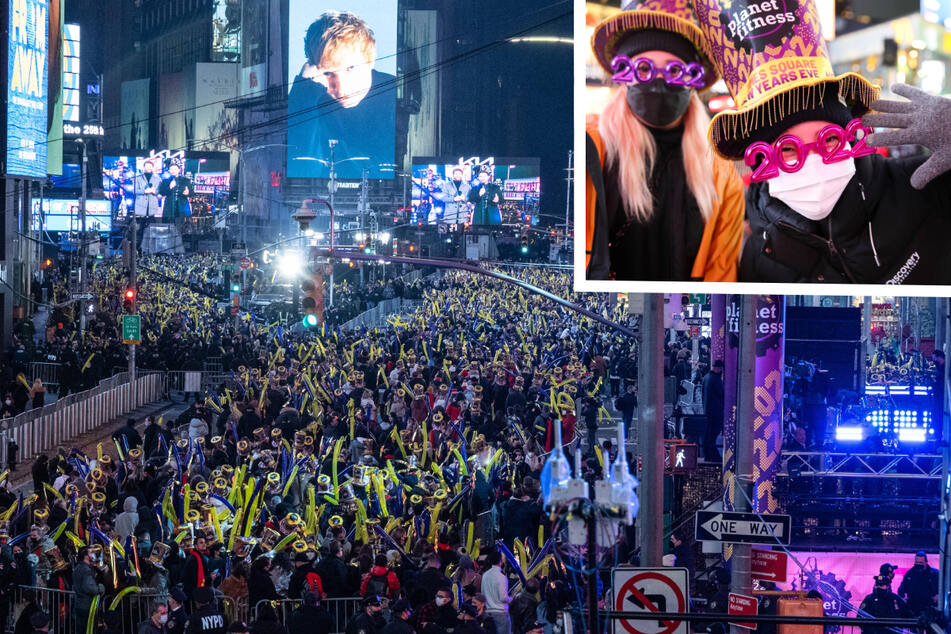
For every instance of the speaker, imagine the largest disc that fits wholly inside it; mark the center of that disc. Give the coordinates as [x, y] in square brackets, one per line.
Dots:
[831, 336]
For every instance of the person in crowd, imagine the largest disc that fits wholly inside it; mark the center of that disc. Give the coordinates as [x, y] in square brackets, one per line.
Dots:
[156, 624]
[495, 587]
[713, 404]
[653, 186]
[380, 580]
[206, 617]
[523, 606]
[311, 617]
[919, 586]
[370, 620]
[177, 617]
[883, 603]
[402, 619]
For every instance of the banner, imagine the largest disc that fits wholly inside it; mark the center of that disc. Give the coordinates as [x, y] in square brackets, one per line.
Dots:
[27, 86]
[768, 399]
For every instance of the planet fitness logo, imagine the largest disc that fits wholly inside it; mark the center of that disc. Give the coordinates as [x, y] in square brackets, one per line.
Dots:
[768, 22]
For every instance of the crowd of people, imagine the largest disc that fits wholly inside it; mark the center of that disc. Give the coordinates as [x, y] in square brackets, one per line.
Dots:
[398, 464]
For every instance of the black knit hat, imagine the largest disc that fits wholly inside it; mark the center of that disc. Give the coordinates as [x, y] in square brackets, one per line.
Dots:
[657, 40]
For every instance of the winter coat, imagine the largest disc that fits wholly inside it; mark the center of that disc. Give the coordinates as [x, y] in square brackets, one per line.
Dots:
[720, 245]
[128, 519]
[85, 586]
[197, 428]
[881, 231]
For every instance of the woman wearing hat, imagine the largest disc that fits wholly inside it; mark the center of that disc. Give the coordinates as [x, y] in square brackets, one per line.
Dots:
[822, 205]
[659, 205]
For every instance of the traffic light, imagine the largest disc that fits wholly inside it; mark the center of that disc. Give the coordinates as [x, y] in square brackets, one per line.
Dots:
[235, 292]
[128, 300]
[47, 263]
[312, 301]
[524, 243]
[235, 287]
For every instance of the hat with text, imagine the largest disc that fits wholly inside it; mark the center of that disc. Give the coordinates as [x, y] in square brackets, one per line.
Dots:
[667, 25]
[771, 55]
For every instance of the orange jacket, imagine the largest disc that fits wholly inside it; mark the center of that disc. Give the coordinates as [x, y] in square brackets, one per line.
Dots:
[719, 252]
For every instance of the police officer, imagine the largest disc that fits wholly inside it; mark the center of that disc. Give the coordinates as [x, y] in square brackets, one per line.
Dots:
[176, 611]
[206, 618]
[370, 621]
[883, 603]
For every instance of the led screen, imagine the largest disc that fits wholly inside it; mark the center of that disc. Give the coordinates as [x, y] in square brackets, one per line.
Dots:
[452, 192]
[342, 102]
[63, 215]
[27, 85]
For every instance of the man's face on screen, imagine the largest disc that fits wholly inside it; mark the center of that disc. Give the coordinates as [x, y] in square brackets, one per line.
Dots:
[348, 76]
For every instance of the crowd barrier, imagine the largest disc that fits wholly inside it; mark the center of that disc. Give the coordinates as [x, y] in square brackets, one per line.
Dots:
[46, 372]
[341, 610]
[381, 312]
[38, 430]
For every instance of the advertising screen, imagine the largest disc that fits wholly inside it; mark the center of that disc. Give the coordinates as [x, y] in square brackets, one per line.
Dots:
[491, 191]
[208, 172]
[342, 102]
[27, 86]
[63, 215]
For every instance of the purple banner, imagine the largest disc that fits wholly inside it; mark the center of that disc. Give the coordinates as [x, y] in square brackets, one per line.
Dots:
[768, 398]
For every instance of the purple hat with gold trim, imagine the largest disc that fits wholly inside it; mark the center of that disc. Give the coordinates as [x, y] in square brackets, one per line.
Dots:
[653, 21]
[774, 62]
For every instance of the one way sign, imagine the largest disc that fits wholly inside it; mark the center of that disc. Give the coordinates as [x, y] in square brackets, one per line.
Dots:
[744, 528]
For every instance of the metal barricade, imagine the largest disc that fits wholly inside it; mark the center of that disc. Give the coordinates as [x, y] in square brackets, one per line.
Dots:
[341, 610]
[58, 604]
[46, 372]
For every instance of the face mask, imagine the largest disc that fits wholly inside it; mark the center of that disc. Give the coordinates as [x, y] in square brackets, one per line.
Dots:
[814, 190]
[441, 601]
[385, 426]
[657, 104]
[163, 619]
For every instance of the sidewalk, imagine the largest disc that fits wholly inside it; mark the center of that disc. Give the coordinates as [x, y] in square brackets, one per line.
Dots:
[21, 478]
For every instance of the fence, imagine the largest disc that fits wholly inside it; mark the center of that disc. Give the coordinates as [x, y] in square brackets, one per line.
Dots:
[39, 430]
[46, 372]
[379, 313]
[341, 610]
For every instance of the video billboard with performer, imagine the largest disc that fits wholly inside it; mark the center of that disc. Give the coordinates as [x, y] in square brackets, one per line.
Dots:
[490, 191]
[342, 75]
[208, 175]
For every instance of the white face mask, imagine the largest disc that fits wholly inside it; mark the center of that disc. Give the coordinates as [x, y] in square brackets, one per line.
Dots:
[441, 601]
[814, 190]
[163, 619]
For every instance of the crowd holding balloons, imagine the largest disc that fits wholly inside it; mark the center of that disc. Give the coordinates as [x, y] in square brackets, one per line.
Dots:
[398, 463]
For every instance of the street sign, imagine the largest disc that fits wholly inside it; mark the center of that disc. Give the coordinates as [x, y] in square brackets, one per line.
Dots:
[245, 263]
[742, 528]
[649, 590]
[131, 329]
[742, 605]
[697, 321]
[82, 295]
[769, 565]
[694, 332]
[680, 458]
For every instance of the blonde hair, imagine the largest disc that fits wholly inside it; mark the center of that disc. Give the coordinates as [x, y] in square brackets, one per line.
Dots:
[629, 145]
[335, 31]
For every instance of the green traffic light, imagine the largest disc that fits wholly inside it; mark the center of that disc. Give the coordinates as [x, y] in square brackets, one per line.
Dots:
[235, 288]
[524, 249]
[310, 321]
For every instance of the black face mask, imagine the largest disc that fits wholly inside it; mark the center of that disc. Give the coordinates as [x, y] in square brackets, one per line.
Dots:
[657, 104]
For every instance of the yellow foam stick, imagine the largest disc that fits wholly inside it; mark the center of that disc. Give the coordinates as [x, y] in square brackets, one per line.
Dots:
[290, 481]
[521, 554]
[361, 530]
[380, 493]
[462, 463]
[49, 488]
[470, 529]
[59, 531]
[181, 536]
[234, 528]
[122, 593]
[422, 459]
[185, 490]
[217, 525]
[337, 448]
[399, 442]
[476, 546]
[284, 543]
[76, 540]
[99, 452]
[91, 620]
[597, 452]
[541, 535]
[434, 522]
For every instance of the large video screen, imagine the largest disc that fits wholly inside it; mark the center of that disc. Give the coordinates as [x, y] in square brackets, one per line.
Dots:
[63, 215]
[342, 102]
[208, 173]
[492, 191]
[27, 86]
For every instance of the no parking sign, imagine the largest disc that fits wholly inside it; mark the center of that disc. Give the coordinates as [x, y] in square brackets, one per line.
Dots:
[650, 590]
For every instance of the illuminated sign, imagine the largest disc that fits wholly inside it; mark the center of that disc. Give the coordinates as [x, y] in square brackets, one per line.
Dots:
[63, 215]
[27, 88]
[71, 72]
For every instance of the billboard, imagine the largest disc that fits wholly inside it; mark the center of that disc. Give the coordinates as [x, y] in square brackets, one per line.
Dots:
[342, 102]
[27, 86]
[208, 172]
[452, 191]
[208, 87]
[254, 24]
[63, 215]
[134, 129]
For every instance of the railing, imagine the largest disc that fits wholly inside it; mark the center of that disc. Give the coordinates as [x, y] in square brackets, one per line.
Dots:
[341, 610]
[39, 430]
[861, 465]
[379, 313]
[46, 372]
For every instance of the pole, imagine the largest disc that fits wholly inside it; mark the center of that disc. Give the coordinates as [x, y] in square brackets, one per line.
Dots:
[83, 246]
[741, 581]
[592, 547]
[244, 185]
[333, 189]
[571, 154]
[865, 347]
[944, 548]
[650, 432]
[132, 285]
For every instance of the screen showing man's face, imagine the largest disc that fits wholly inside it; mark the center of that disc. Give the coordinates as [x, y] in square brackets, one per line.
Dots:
[483, 177]
[348, 76]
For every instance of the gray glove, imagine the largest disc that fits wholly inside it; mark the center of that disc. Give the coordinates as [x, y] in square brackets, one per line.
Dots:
[921, 121]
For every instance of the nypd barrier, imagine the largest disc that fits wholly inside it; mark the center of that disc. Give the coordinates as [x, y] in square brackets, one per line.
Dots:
[39, 430]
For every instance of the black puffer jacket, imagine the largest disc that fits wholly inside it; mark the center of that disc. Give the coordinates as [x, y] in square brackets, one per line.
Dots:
[882, 231]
